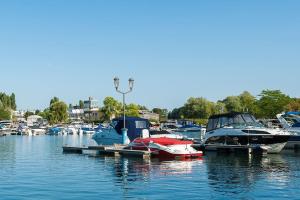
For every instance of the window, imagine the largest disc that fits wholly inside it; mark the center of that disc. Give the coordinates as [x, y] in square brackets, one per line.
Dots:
[141, 124]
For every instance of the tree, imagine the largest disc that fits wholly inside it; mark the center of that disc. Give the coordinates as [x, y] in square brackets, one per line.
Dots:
[219, 108]
[248, 102]
[176, 113]
[293, 105]
[13, 101]
[132, 110]
[81, 104]
[5, 114]
[37, 112]
[199, 108]
[272, 102]
[58, 112]
[54, 100]
[112, 108]
[233, 104]
[27, 114]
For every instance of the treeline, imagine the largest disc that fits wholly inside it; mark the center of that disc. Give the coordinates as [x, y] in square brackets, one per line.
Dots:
[7, 104]
[266, 105]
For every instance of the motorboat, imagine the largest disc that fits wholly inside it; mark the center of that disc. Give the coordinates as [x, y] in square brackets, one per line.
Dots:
[55, 131]
[5, 127]
[136, 127]
[164, 147]
[293, 126]
[237, 130]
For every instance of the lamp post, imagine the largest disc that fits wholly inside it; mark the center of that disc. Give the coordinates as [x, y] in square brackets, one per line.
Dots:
[125, 139]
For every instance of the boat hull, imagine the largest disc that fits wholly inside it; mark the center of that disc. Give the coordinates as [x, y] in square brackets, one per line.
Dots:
[293, 143]
[166, 148]
[271, 143]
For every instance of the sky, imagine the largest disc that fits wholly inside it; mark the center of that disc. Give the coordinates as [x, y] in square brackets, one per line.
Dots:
[173, 49]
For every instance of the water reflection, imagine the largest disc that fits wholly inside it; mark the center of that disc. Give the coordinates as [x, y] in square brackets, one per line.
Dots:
[234, 173]
[136, 169]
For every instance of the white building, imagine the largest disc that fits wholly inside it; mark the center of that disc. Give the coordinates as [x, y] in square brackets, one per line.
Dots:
[146, 114]
[34, 120]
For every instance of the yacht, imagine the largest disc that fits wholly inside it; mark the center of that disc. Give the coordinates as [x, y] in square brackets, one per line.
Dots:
[236, 130]
[293, 126]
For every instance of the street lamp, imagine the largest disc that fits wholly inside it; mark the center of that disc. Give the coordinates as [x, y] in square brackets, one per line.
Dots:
[125, 139]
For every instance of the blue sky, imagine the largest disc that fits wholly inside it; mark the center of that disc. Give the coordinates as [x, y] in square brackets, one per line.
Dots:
[173, 49]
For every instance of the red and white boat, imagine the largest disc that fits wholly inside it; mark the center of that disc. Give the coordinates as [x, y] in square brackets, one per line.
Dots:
[164, 147]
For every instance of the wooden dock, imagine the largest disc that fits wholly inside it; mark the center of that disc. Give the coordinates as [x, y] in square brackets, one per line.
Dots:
[114, 150]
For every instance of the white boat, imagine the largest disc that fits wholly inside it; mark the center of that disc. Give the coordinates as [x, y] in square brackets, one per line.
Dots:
[163, 147]
[293, 128]
[237, 130]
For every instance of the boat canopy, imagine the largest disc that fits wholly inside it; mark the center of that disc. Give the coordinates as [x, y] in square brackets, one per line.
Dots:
[230, 119]
[135, 126]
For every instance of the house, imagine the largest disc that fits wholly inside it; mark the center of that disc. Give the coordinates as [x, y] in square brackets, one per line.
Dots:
[34, 120]
[91, 109]
[146, 114]
[76, 113]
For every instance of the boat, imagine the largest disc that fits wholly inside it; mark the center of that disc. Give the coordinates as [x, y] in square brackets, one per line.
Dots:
[164, 147]
[238, 130]
[55, 131]
[293, 126]
[5, 127]
[136, 126]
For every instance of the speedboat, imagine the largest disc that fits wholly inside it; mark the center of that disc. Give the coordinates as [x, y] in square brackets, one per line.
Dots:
[293, 127]
[137, 127]
[55, 131]
[237, 130]
[112, 134]
[166, 147]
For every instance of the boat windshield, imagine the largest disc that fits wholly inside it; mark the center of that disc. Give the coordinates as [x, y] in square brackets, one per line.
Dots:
[236, 121]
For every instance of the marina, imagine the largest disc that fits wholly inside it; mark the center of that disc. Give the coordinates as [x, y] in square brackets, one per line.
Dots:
[149, 100]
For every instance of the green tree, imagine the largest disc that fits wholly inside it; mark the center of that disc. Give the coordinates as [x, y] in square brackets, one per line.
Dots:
[248, 102]
[13, 101]
[132, 110]
[5, 99]
[293, 105]
[54, 100]
[45, 114]
[112, 108]
[176, 113]
[198, 108]
[58, 112]
[219, 108]
[272, 102]
[233, 104]
[5, 114]
[27, 114]
[81, 104]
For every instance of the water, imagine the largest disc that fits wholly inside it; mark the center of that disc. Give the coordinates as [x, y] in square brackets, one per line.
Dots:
[36, 168]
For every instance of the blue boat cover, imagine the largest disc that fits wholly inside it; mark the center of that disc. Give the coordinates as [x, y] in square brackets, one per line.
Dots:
[135, 125]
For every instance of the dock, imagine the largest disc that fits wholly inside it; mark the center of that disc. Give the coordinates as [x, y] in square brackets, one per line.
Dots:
[113, 150]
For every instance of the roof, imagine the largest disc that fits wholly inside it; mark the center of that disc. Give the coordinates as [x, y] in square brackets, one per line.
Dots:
[231, 114]
[34, 116]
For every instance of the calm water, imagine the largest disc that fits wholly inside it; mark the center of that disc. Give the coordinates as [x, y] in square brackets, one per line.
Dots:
[36, 168]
